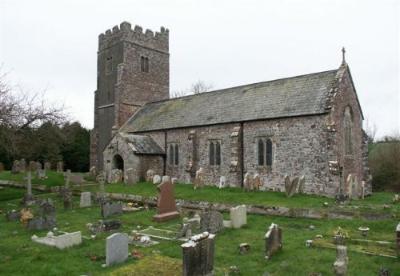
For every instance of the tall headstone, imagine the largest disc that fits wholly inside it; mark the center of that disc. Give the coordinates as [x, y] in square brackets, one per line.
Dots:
[32, 166]
[248, 182]
[199, 179]
[198, 255]
[47, 166]
[116, 248]
[86, 200]
[60, 166]
[273, 240]
[132, 176]
[222, 182]
[302, 183]
[28, 198]
[257, 182]
[291, 186]
[15, 167]
[238, 216]
[340, 265]
[166, 207]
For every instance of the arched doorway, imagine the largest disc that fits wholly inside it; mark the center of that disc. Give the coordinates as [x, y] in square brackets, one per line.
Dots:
[118, 162]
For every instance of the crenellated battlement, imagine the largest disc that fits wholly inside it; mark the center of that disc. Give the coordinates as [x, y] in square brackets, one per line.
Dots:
[124, 32]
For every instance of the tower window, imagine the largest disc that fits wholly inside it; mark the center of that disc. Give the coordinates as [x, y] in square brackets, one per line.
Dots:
[215, 153]
[264, 152]
[144, 64]
[109, 66]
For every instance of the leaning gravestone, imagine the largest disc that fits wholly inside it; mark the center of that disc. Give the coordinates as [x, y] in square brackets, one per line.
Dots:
[116, 248]
[198, 255]
[15, 167]
[86, 200]
[238, 216]
[273, 240]
[166, 207]
[248, 182]
[212, 222]
[111, 208]
[340, 265]
[291, 186]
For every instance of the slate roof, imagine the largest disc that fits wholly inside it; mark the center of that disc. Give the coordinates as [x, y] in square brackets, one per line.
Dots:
[142, 144]
[295, 96]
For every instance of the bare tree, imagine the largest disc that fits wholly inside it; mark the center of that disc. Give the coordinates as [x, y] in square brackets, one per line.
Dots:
[370, 130]
[196, 88]
[20, 109]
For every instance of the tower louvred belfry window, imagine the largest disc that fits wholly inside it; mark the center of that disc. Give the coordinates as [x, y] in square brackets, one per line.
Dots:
[144, 64]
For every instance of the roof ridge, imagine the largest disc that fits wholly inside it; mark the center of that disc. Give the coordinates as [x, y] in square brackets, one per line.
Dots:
[239, 86]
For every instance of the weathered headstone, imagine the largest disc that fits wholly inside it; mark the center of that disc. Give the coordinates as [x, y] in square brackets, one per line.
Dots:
[244, 248]
[32, 166]
[22, 165]
[46, 218]
[212, 222]
[116, 176]
[149, 175]
[362, 193]
[1, 167]
[340, 265]
[116, 248]
[156, 179]
[76, 179]
[185, 230]
[93, 171]
[222, 182]
[86, 199]
[166, 207]
[248, 182]
[104, 226]
[257, 183]
[60, 166]
[291, 186]
[62, 241]
[273, 240]
[198, 255]
[41, 173]
[13, 215]
[199, 179]
[302, 183]
[174, 180]
[47, 166]
[132, 176]
[15, 167]
[238, 216]
[111, 208]
[66, 195]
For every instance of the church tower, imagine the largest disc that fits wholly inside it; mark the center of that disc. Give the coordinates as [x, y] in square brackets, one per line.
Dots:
[132, 69]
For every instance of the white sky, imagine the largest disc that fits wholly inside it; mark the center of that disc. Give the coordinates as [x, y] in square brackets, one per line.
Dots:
[53, 45]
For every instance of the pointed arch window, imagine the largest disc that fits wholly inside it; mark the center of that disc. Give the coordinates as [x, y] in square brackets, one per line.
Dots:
[264, 151]
[215, 153]
[173, 154]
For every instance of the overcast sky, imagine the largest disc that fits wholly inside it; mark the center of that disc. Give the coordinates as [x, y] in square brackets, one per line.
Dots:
[53, 45]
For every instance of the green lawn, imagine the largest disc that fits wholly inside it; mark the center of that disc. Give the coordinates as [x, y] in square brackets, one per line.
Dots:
[53, 178]
[20, 256]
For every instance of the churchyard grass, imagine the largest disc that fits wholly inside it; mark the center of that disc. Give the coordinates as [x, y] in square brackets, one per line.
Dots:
[20, 256]
[53, 178]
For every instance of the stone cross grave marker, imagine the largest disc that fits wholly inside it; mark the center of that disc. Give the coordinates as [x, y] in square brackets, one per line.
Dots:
[340, 265]
[273, 240]
[166, 207]
[238, 216]
[116, 248]
[198, 255]
[86, 200]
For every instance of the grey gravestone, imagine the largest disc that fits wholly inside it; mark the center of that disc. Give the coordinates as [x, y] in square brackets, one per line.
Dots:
[76, 179]
[238, 216]
[15, 167]
[111, 208]
[28, 197]
[41, 174]
[156, 179]
[60, 166]
[116, 248]
[22, 165]
[13, 215]
[340, 265]
[302, 182]
[212, 222]
[198, 255]
[273, 240]
[248, 182]
[47, 166]
[46, 218]
[86, 199]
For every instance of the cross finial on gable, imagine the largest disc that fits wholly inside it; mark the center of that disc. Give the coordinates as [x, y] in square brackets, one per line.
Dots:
[343, 55]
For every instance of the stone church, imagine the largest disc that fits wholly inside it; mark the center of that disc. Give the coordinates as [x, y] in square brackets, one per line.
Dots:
[307, 125]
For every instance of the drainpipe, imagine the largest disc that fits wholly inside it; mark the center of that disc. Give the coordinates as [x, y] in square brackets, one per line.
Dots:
[241, 157]
[165, 155]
